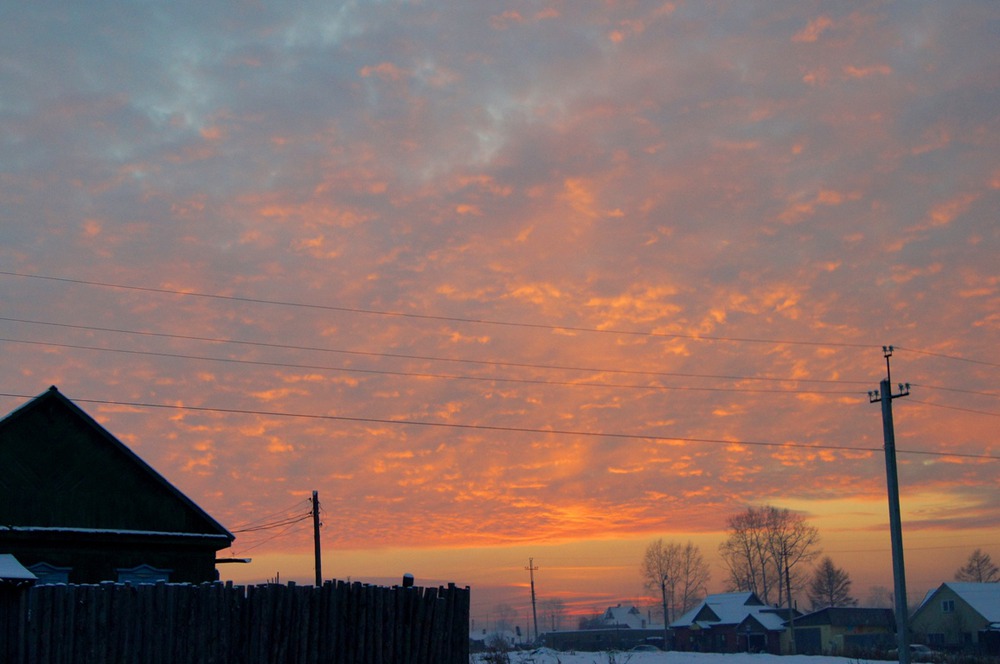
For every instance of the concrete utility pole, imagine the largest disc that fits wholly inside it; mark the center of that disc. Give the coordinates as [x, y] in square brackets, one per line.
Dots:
[531, 570]
[885, 396]
[316, 525]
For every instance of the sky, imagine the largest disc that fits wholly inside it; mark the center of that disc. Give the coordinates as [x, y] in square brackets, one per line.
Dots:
[517, 281]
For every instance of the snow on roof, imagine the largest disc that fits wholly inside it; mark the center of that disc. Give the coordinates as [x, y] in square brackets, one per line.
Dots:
[12, 570]
[731, 609]
[983, 597]
[110, 531]
[625, 616]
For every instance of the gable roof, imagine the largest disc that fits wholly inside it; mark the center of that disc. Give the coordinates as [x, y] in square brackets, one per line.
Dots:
[624, 616]
[65, 472]
[984, 598]
[731, 609]
[849, 616]
[12, 570]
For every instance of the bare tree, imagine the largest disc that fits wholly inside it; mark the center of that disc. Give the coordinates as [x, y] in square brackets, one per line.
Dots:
[747, 556]
[830, 586]
[553, 613]
[593, 620]
[765, 552]
[678, 572]
[694, 577]
[659, 572]
[793, 543]
[505, 617]
[978, 569]
[880, 597]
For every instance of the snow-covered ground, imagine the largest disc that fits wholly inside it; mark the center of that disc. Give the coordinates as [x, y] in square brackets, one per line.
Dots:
[546, 656]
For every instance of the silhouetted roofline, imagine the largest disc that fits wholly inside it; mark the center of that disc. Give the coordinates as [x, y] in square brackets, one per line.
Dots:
[53, 393]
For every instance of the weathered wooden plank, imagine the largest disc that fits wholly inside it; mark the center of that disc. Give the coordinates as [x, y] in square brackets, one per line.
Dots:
[212, 623]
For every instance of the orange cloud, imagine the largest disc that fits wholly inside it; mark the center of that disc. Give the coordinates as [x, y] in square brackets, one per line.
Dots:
[384, 70]
[504, 20]
[945, 213]
[813, 30]
[867, 72]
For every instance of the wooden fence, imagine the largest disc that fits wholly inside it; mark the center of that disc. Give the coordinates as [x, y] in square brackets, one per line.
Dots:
[212, 623]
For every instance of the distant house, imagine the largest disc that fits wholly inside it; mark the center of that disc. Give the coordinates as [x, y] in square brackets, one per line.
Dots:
[845, 631]
[960, 615]
[625, 616]
[618, 628]
[731, 622]
[80, 507]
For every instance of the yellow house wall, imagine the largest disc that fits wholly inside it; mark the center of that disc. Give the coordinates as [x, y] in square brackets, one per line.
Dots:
[932, 619]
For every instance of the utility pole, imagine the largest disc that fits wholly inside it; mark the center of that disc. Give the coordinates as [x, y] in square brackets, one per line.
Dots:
[316, 525]
[788, 597]
[885, 396]
[531, 569]
[666, 617]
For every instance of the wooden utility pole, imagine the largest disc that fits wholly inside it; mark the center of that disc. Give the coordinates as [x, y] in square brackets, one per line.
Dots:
[666, 617]
[531, 569]
[316, 525]
[885, 396]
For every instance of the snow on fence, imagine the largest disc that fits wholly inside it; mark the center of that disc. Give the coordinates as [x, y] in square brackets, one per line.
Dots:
[214, 623]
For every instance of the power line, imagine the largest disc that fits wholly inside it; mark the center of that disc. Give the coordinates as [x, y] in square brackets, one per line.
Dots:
[507, 429]
[431, 358]
[272, 515]
[492, 363]
[945, 356]
[958, 408]
[255, 544]
[957, 390]
[450, 319]
[410, 374]
[275, 524]
[909, 548]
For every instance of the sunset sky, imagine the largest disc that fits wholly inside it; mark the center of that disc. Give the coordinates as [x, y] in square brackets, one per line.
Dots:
[512, 280]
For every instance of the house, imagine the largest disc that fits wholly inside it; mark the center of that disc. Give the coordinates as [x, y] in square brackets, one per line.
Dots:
[617, 628]
[959, 615]
[845, 631]
[80, 507]
[731, 622]
[625, 616]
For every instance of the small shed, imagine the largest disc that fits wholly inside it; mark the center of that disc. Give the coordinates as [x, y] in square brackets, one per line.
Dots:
[81, 507]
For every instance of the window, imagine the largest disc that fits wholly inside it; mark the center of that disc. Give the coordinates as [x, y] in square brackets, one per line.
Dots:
[935, 639]
[948, 606]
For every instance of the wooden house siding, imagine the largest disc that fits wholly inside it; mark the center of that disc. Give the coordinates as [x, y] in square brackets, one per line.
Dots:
[75, 496]
[946, 620]
[844, 631]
